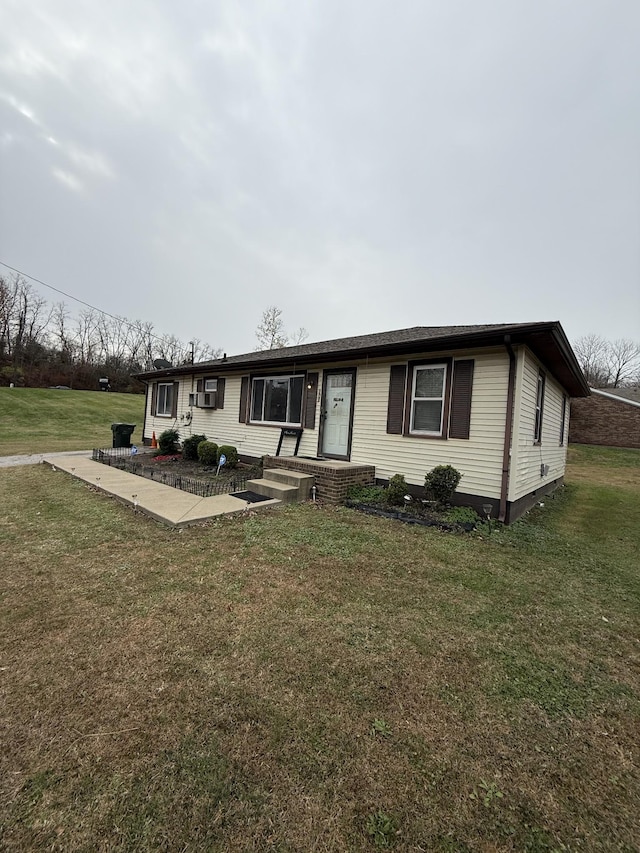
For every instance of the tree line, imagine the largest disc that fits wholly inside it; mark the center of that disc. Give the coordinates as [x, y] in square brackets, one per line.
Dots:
[608, 364]
[42, 344]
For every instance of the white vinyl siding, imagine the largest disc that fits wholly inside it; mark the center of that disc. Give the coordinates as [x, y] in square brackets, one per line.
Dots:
[479, 457]
[527, 457]
[222, 426]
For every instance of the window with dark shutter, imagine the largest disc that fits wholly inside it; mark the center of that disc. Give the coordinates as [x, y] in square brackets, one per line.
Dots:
[220, 394]
[154, 399]
[243, 415]
[310, 400]
[460, 416]
[395, 410]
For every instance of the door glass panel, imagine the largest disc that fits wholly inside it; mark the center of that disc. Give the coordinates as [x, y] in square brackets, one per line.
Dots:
[340, 380]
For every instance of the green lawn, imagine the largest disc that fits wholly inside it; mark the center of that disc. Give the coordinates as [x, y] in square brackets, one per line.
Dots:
[315, 679]
[42, 420]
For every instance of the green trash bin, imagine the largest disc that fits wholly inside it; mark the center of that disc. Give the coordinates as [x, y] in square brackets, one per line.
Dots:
[122, 434]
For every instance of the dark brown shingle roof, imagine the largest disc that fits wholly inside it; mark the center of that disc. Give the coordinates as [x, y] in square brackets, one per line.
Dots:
[546, 339]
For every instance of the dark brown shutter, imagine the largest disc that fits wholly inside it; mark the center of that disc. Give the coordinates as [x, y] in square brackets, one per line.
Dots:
[220, 395]
[243, 415]
[395, 411]
[460, 416]
[310, 399]
[174, 401]
[154, 399]
[200, 386]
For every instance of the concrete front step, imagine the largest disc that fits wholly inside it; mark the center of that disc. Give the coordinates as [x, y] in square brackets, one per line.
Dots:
[272, 489]
[302, 481]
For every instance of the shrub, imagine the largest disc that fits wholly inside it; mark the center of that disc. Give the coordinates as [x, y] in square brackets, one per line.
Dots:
[441, 482]
[367, 494]
[231, 453]
[396, 490]
[168, 442]
[208, 452]
[462, 515]
[190, 446]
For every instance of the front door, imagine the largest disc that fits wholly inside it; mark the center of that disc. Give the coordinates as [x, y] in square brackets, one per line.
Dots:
[337, 413]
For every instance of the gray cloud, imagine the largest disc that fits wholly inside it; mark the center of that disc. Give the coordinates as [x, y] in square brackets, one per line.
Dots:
[362, 166]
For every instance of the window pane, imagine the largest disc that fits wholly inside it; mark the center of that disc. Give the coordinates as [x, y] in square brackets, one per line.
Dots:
[295, 399]
[165, 397]
[427, 415]
[429, 381]
[275, 400]
[210, 384]
[258, 396]
[340, 380]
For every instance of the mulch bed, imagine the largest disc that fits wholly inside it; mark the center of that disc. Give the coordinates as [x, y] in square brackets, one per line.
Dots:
[425, 518]
[189, 468]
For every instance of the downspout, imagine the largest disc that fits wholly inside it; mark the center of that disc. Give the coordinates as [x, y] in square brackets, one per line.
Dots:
[508, 430]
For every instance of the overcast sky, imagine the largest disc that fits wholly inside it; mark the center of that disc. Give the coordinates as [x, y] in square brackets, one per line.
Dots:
[364, 165]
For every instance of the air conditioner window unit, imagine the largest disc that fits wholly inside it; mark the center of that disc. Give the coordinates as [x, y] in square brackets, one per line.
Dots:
[207, 399]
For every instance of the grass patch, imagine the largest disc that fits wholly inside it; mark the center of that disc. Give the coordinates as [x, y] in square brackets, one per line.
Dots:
[318, 679]
[43, 420]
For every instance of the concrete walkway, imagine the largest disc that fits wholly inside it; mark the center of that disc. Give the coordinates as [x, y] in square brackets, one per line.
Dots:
[36, 458]
[164, 503]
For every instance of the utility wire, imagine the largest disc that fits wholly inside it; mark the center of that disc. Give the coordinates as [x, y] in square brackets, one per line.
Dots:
[136, 326]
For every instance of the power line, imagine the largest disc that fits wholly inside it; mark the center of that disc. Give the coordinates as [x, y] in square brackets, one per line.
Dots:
[81, 301]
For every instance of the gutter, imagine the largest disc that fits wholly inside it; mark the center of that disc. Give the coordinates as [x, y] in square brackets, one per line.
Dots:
[508, 430]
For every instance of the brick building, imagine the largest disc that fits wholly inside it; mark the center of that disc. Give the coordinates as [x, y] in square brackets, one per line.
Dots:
[606, 417]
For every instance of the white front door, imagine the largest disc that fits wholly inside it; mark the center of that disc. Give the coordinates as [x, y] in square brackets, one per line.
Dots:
[336, 411]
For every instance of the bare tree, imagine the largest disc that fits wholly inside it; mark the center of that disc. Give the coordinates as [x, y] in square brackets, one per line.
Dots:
[299, 336]
[608, 364]
[24, 319]
[271, 333]
[623, 362]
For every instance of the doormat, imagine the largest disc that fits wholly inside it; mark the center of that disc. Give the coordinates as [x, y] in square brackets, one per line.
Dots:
[250, 497]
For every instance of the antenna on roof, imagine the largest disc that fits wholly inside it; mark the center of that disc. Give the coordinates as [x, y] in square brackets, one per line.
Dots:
[162, 364]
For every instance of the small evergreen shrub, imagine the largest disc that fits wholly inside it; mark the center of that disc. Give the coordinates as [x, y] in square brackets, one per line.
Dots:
[168, 442]
[231, 453]
[441, 482]
[462, 515]
[367, 494]
[208, 452]
[396, 490]
[190, 447]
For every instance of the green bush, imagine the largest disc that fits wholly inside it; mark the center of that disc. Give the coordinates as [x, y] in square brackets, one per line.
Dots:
[208, 452]
[190, 446]
[396, 490]
[231, 453]
[367, 494]
[441, 482]
[462, 515]
[168, 442]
